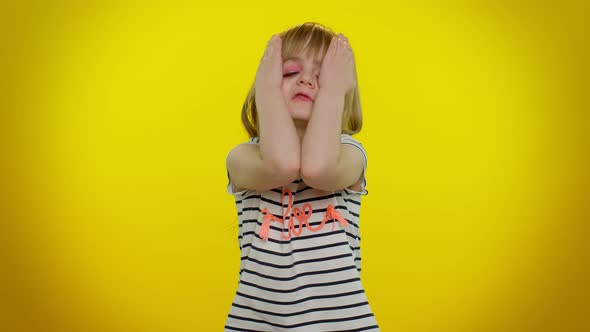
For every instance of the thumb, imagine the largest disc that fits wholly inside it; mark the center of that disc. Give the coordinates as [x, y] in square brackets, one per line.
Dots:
[278, 48]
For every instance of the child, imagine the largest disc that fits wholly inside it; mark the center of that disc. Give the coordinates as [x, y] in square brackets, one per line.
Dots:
[297, 184]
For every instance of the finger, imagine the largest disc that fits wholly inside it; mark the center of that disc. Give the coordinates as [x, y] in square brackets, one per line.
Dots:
[338, 43]
[278, 49]
[328, 51]
[332, 45]
[265, 53]
[348, 48]
[271, 46]
[279, 44]
[345, 44]
[268, 48]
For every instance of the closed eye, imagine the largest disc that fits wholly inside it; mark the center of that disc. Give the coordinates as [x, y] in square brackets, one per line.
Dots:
[293, 73]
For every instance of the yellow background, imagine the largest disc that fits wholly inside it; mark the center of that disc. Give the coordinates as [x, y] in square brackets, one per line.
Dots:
[116, 119]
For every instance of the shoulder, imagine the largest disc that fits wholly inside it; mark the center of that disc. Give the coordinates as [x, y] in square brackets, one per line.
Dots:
[248, 145]
[348, 139]
[359, 187]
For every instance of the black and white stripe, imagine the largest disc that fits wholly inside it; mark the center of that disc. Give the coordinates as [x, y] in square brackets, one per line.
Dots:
[309, 282]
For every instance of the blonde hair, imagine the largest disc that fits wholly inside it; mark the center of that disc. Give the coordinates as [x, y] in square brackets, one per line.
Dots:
[314, 38]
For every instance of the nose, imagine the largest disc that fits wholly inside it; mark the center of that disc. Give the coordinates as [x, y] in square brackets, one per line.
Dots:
[304, 80]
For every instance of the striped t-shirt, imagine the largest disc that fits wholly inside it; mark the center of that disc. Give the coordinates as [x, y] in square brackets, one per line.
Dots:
[300, 259]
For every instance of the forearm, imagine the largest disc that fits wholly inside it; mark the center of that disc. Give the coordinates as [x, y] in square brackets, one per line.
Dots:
[279, 143]
[320, 148]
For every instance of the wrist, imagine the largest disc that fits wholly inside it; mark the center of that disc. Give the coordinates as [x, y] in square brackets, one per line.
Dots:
[270, 98]
[268, 93]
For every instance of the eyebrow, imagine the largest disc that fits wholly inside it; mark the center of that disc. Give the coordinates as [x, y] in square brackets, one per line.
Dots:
[299, 59]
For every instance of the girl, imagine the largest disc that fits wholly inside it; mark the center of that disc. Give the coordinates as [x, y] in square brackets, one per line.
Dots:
[297, 184]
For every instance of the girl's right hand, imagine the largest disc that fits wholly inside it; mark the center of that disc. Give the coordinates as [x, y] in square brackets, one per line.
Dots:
[270, 69]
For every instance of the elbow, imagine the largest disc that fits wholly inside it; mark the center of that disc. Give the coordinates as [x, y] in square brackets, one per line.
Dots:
[307, 174]
[292, 171]
[313, 169]
[288, 170]
[314, 177]
[292, 176]
[284, 163]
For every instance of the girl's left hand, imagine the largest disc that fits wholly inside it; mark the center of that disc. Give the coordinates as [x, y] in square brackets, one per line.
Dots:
[337, 71]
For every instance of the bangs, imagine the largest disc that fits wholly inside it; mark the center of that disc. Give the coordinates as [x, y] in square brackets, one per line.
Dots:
[311, 38]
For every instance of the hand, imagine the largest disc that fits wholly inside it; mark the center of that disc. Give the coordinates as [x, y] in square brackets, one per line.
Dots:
[337, 71]
[270, 69]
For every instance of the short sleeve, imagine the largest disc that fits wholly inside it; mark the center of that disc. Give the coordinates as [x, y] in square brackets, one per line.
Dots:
[230, 187]
[347, 139]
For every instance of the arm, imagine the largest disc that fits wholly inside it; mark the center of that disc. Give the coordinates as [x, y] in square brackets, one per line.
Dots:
[247, 170]
[320, 148]
[275, 160]
[327, 164]
[279, 143]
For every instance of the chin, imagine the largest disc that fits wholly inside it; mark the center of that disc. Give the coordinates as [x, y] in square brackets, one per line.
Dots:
[300, 113]
[300, 109]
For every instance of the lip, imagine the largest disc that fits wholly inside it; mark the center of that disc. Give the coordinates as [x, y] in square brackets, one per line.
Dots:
[303, 97]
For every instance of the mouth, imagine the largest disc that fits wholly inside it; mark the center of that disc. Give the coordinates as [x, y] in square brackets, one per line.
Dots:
[303, 97]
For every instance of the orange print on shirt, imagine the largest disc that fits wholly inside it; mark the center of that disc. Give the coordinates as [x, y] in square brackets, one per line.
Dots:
[300, 214]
